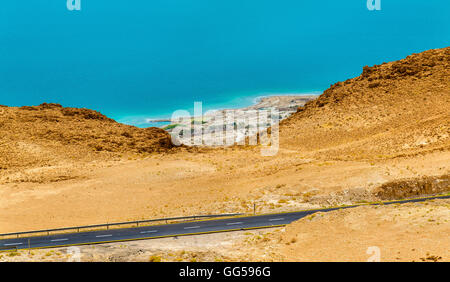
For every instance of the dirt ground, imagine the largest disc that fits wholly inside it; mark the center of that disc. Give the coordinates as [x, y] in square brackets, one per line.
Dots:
[174, 185]
[404, 232]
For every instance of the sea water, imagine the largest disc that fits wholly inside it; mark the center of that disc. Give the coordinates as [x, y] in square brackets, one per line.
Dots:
[141, 59]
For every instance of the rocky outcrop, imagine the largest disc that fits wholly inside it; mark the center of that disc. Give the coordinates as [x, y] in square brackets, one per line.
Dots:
[400, 189]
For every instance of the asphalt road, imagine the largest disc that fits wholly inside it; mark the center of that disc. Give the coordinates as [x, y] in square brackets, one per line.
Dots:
[169, 230]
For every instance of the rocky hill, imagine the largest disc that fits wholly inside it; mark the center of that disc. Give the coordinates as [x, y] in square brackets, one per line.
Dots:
[393, 109]
[49, 134]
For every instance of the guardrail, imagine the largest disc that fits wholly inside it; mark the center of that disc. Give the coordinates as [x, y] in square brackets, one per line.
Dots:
[9, 248]
[107, 225]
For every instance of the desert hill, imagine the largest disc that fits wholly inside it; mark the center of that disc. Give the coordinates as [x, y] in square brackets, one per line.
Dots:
[36, 136]
[393, 109]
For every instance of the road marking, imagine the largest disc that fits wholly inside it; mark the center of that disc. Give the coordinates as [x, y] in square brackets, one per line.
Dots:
[13, 244]
[57, 240]
[234, 223]
[275, 219]
[149, 231]
[192, 227]
[99, 236]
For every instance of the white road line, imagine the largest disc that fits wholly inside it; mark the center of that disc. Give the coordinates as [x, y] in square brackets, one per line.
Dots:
[234, 223]
[275, 219]
[149, 231]
[57, 240]
[12, 244]
[192, 227]
[99, 236]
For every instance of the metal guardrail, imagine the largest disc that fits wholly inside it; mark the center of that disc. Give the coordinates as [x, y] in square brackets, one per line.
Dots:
[107, 225]
[9, 248]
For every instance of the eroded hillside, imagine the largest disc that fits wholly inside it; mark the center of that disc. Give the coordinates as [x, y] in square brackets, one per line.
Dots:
[51, 135]
[394, 109]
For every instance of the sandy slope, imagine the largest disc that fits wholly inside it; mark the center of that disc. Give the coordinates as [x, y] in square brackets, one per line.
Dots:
[406, 232]
[392, 110]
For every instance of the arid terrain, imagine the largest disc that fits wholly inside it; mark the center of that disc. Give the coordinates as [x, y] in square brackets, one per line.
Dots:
[382, 135]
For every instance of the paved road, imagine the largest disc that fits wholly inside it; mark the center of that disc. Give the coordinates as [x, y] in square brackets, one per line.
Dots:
[169, 230]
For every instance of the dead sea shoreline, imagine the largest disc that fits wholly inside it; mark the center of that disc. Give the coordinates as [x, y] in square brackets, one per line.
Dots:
[280, 102]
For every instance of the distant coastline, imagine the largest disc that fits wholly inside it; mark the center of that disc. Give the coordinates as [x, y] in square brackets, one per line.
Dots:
[280, 100]
[258, 116]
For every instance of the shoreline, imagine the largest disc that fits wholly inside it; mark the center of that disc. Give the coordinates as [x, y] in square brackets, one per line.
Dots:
[250, 119]
[258, 102]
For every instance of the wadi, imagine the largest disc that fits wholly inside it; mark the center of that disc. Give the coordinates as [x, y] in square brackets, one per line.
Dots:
[382, 135]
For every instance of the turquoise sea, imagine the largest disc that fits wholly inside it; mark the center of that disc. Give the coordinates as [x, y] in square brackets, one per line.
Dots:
[140, 59]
